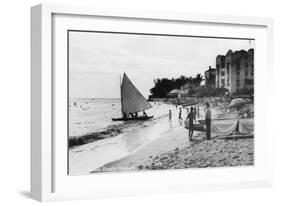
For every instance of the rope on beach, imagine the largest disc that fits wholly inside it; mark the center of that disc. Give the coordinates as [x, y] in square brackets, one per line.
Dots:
[230, 119]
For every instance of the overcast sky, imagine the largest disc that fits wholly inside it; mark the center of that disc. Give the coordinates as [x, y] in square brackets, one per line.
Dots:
[97, 60]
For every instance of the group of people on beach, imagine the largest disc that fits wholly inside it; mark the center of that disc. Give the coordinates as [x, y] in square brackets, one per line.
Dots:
[191, 118]
[133, 116]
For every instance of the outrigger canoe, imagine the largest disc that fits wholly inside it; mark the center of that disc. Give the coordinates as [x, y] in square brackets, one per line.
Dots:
[142, 118]
[188, 104]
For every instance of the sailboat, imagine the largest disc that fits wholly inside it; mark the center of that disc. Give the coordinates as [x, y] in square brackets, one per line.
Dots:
[132, 102]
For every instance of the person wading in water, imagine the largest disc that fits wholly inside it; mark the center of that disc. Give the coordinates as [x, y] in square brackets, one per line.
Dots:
[190, 118]
[170, 115]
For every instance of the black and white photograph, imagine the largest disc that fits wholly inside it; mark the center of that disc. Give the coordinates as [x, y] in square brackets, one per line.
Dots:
[142, 102]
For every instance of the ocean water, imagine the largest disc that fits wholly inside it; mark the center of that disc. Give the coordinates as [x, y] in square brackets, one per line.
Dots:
[93, 117]
[87, 116]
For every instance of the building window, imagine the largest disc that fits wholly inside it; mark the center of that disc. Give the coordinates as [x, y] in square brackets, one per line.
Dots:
[227, 68]
[249, 81]
[228, 82]
[246, 72]
[238, 69]
[252, 69]
[222, 82]
[238, 83]
[222, 73]
[246, 65]
[222, 63]
[218, 70]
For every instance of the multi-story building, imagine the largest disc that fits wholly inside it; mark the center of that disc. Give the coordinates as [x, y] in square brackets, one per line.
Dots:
[210, 77]
[235, 70]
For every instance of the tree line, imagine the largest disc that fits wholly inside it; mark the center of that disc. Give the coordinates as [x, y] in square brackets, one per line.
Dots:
[164, 85]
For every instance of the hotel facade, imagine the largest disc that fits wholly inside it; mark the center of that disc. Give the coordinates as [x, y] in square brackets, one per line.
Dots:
[235, 70]
[210, 77]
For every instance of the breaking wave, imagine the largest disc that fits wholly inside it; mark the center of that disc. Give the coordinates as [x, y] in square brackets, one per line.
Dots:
[111, 131]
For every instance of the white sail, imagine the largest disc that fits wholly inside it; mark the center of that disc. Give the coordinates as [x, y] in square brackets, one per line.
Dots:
[131, 99]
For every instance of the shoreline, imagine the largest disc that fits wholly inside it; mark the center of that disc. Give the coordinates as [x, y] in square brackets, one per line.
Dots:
[170, 141]
[176, 152]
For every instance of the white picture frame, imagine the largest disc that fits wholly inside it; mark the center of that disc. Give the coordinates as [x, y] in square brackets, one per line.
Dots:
[49, 180]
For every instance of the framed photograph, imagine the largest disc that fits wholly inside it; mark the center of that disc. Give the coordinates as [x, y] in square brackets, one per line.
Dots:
[136, 102]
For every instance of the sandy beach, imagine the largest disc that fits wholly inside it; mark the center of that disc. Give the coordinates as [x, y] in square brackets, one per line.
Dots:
[176, 152]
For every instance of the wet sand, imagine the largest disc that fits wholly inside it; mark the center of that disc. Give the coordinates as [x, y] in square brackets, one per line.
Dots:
[170, 141]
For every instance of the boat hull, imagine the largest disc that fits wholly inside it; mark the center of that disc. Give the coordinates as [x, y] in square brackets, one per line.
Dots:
[133, 119]
[196, 127]
[189, 104]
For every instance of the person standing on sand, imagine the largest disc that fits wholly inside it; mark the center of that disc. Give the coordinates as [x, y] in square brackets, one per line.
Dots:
[190, 118]
[170, 115]
[180, 118]
[198, 111]
[208, 121]
[194, 111]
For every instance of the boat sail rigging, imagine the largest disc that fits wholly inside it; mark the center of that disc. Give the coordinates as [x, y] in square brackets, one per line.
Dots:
[132, 101]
